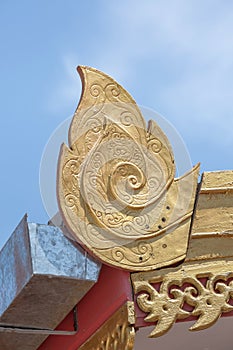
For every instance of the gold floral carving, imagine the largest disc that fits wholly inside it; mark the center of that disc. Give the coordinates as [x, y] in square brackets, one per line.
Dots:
[201, 287]
[115, 334]
[206, 289]
[116, 188]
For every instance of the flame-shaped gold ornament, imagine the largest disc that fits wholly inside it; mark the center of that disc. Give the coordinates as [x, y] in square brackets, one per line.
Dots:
[116, 188]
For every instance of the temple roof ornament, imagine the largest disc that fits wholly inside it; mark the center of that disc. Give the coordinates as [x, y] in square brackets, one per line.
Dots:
[116, 186]
[165, 242]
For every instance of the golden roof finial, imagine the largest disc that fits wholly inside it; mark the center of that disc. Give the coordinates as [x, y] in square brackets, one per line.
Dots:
[116, 188]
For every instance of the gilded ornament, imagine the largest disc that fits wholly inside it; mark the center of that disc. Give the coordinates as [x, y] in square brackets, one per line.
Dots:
[207, 288]
[116, 188]
[117, 333]
[204, 281]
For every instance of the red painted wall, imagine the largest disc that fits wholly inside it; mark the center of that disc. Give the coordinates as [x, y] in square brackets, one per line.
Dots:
[111, 291]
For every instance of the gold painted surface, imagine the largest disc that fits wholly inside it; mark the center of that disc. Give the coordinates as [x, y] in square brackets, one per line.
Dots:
[116, 188]
[214, 212]
[204, 282]
[217, 181]
[117, 333]
[206, 288]
[212, 230]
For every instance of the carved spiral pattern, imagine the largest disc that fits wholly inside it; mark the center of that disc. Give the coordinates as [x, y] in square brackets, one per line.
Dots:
[96, 90]
[142, 252]
[154, 145]
[118, 179]
[124, 180]
[116, 176]
[112, 92]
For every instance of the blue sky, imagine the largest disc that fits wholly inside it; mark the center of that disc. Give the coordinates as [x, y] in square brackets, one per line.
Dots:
[175, 57]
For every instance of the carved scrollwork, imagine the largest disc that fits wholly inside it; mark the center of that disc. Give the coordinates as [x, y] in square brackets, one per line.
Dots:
[121, 338]
[116, 183]
[206, 290]
[117, 333]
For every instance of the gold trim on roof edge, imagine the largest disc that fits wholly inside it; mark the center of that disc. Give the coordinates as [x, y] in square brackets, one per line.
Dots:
[116, 188]
[117, 333]
[206, 288]
[204, 281]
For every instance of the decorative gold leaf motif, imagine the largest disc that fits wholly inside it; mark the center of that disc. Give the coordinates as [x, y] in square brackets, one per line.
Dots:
[206, 288]
[117, 333]
[116, 188]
